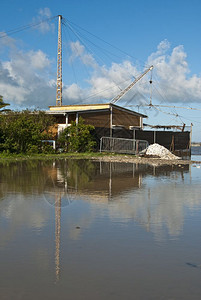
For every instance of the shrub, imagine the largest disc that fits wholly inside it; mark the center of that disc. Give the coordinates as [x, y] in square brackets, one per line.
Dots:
[77, 138]
[22, 132]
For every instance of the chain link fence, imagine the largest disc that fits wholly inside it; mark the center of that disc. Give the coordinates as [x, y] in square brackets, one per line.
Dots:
[120, 145]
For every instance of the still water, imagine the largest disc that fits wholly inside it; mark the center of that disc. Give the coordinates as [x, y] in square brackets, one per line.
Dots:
[196, 153]
[89, 230]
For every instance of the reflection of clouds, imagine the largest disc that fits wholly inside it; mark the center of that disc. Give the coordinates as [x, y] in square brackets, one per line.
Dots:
[159, 204]
[84, 223]
[122, 192]
[159, 208]
[18, 211]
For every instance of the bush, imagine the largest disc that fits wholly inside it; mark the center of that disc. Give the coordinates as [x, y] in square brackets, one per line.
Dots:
[48, 149]
[33, 149]
[77, 138]
[22, 132]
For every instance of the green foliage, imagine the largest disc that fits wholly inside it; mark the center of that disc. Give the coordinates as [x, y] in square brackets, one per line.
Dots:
[48, 149]
[77, 138]
[22, 132]
[3, 104]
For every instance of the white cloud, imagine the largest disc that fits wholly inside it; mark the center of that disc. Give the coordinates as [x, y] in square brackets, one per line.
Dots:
[170, 67]
[6, 41]
[73, 93]
[39, 60]
[25, 78]
[174, 75]
[79, 51]
[43, 14]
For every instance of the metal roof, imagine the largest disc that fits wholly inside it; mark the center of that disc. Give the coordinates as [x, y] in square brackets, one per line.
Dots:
[87, 108]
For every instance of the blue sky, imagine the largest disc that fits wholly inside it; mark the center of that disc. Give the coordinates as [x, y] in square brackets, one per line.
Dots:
[162, 33]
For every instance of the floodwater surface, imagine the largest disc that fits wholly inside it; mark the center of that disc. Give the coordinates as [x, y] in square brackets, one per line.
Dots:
[90, 230]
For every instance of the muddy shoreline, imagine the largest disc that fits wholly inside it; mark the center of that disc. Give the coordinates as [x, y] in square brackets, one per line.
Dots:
[145, 160]
[104, 157]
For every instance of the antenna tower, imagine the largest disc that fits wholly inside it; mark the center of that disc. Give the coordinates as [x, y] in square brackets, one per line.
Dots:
[59, 66]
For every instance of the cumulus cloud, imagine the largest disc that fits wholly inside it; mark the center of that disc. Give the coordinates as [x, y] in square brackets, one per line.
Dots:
[173, 74]
[170, 69]
[74, 93]
[26, 78]
[44, 26]
[6, 41]
[23, 79]
[79, 51]
[38, 60]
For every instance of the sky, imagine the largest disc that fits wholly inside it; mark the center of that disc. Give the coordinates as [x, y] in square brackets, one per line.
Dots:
[106, 44]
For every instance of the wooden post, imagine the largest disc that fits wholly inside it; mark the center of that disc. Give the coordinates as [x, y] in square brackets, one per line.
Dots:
[77, 118]
[154, 136]
[66, 120]
[134, 134]
[190, 138]
[110, 121]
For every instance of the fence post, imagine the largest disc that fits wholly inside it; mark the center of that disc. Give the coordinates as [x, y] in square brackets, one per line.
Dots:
[137, 145]
[111, 121]
[101, 144]
[154, 136]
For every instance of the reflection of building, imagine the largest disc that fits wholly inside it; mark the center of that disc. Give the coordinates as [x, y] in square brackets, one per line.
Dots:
[106, 181]
[57, 234]
[156, 198]
[102, 181]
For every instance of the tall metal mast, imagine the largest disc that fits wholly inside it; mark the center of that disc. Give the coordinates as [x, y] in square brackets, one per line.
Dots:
[59, 66]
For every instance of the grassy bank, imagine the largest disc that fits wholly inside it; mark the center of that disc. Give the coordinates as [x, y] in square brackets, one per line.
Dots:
[86, 155]
[104, 157]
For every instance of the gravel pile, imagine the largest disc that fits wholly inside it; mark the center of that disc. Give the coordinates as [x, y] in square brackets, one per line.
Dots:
[157, 150]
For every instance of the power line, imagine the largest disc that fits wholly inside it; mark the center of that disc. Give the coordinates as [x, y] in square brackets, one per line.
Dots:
[18, 29]
[115, 47]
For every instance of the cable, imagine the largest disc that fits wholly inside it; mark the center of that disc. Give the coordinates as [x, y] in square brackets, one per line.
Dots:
[16, 30]
[115, 47]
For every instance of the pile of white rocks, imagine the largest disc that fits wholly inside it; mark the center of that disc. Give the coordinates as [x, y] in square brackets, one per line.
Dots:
[157, 150]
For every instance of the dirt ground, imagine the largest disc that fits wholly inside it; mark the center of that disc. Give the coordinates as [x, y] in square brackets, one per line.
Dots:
[145, 160]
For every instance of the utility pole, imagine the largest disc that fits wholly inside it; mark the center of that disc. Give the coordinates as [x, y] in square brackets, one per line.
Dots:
[59, 66]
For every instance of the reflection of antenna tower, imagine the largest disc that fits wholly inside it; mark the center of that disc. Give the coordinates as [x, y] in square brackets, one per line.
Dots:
[57, 234]
[59, 66]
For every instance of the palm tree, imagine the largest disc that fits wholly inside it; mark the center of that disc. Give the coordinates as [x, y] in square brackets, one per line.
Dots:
[3, 104]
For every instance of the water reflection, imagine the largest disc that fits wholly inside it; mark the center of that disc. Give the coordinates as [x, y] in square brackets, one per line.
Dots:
[62, 218]
[132, 189]
[152, 196]
[57, 234]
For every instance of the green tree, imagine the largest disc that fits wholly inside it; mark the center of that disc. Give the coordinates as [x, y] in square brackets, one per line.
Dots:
[22, 132]
[77, 138]
[3, 104]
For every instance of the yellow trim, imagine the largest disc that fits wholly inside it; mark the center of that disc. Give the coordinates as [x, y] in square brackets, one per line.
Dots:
[79, 107]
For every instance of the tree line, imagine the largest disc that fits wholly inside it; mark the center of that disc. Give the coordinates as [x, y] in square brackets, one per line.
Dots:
[26, 132]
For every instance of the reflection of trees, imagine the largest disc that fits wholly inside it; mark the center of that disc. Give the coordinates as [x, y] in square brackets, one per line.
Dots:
[32, 176]
[83, 176]
[106, 183]
[24, 177]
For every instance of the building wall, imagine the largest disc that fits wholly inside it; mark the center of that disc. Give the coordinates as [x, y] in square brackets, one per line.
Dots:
[99, 119]
[169, 139]
[60, 119]
[102, 118]
[124, 118]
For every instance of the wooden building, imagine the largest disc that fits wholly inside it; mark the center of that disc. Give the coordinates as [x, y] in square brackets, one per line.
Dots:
[106, 118]
[111, 120]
